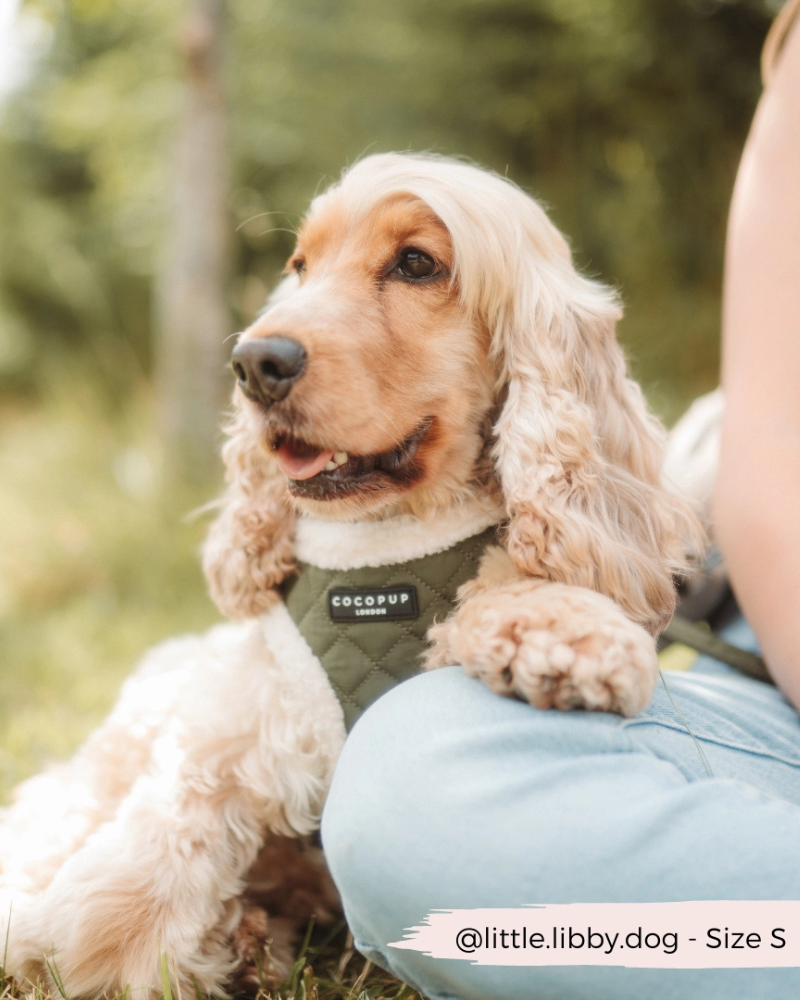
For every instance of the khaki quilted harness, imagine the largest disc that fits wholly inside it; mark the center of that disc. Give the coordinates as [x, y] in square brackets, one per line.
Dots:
[368, 626]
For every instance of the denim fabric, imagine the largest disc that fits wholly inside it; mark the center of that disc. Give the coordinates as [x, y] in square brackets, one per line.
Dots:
[448, 796]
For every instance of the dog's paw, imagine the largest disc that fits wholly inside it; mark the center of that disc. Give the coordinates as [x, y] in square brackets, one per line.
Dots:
[553, 645]
[264, 947]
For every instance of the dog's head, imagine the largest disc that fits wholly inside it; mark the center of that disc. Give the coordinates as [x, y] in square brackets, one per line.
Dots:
[367, 378]
[431, 340]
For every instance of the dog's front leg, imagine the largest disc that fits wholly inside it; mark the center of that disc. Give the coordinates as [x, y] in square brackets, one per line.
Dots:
[162, 877]
[551, 644]
[239, 755]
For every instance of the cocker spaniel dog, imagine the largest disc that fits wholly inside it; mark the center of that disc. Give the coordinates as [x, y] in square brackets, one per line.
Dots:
[433, 386]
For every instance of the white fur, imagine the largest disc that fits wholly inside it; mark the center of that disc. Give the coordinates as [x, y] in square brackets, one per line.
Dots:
[228, 736]
[353, 544]
[691, 461]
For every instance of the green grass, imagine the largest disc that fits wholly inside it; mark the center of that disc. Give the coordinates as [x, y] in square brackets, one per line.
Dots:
[97, 562]
[327, 968]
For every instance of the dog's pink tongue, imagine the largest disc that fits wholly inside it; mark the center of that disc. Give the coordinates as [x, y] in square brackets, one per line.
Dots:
[301, 462]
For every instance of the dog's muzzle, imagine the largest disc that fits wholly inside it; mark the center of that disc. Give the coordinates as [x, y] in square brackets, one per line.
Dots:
[268, 367]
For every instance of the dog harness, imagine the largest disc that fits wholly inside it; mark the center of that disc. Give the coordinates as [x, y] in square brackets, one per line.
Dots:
[367, 624]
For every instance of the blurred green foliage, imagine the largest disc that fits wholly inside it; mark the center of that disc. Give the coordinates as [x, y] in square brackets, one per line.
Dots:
[97, 561]
[625, 116]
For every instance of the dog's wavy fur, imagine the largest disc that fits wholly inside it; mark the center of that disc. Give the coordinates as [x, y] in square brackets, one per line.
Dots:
[222, 745]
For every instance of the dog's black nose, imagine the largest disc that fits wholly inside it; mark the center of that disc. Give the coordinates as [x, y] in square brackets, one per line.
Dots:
[268, 367]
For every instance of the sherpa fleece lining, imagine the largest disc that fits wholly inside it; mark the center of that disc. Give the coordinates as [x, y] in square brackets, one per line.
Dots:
[356, 544]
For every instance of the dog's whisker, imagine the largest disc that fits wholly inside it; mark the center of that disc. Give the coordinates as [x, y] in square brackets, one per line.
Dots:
[396, 435]
[258, 215]
[277, 229]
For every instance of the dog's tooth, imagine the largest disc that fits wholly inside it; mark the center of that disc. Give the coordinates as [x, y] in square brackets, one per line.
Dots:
[340, 457]
[330, 466]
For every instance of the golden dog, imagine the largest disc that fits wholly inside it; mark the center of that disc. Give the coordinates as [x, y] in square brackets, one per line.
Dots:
[431, 365]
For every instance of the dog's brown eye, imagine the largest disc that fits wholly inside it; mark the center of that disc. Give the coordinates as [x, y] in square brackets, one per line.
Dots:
[416, 264]
[299, 265]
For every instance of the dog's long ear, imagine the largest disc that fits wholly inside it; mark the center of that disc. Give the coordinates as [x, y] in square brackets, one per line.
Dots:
[249, 548]
[578, 454]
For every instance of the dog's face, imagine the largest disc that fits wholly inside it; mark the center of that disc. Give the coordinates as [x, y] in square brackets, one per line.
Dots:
[367, 378]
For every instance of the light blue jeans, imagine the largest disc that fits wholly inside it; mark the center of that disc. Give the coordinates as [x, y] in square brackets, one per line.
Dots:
[449, 796]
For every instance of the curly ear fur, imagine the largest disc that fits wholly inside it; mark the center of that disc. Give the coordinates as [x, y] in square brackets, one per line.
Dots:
[249, 549]
[578, 454]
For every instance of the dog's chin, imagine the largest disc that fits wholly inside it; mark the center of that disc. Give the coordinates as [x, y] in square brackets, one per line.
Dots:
[348, 483]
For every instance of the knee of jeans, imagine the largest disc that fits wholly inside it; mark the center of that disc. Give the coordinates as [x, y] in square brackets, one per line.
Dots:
[392, 747]
[441, 755]
[428, 726]
[375, 751]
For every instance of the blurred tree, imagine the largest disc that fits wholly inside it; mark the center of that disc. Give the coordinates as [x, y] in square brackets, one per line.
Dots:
[84, 149]
[625, 116]
[193, 315]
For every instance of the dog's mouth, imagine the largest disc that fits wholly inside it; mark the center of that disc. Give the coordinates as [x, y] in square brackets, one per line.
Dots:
[326, 473]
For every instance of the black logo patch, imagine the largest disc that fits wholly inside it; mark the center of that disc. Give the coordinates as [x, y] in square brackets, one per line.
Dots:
[373, 604]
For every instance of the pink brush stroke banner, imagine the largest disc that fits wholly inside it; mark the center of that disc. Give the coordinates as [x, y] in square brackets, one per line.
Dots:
[709, 934]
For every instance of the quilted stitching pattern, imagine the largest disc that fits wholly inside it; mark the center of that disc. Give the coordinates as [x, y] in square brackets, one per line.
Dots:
[364, 659]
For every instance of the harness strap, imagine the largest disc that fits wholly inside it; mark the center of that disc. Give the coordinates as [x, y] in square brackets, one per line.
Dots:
[704, 641]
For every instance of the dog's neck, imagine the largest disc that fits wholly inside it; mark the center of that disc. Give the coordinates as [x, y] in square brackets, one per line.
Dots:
[344, 545]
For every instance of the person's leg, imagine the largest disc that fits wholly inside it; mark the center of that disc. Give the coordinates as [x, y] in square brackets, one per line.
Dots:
[448, 796]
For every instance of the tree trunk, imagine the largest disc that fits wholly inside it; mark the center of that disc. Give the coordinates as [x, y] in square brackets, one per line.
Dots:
[193, 320]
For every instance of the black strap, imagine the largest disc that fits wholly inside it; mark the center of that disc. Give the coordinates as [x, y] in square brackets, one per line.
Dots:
[704, 641]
